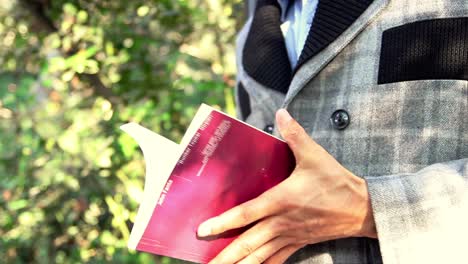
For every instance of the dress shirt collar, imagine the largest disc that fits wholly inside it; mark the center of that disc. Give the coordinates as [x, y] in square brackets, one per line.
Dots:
[284, 6]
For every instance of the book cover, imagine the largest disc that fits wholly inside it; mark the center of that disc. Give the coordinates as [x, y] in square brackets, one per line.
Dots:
[221, 162]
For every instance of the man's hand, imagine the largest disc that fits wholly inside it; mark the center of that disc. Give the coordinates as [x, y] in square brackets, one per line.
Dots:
[320, 201]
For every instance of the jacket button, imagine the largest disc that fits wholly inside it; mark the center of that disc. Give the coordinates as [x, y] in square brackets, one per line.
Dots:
[269, 128]
[340, 119]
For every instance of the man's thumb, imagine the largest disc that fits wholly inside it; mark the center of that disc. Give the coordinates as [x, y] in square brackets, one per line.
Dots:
[296, 137]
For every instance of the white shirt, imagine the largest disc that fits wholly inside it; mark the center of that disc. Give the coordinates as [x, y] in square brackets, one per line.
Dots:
[296, 22]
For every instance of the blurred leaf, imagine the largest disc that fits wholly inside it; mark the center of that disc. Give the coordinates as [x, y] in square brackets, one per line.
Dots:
[17, 205]
[72, 73]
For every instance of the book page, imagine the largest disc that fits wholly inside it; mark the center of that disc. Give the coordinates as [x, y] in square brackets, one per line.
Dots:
[200, 117]
[160, 155]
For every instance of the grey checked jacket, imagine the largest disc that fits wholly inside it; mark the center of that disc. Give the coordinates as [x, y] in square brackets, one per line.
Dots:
[399, 70]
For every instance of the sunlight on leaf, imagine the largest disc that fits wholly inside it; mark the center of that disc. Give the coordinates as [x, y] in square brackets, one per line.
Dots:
[73, 72]
[143, 11]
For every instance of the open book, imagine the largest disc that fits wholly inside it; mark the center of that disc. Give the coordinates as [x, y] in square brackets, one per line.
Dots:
[221, 162]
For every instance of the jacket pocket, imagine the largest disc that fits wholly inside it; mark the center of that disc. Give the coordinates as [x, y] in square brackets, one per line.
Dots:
[423, 50]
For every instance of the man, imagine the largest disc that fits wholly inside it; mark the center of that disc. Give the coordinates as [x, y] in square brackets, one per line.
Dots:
[378, 100]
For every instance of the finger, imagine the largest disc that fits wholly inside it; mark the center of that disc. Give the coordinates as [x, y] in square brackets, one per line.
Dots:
[283, 254]
[266, 251]
[293, 133]
[249, 241]
[240, 216]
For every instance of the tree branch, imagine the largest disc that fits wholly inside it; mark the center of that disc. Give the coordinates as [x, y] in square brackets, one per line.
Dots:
[37, 9]
[99, 88]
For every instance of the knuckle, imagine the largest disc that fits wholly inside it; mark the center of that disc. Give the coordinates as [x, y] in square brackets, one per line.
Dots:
[293, 131]
[244, 215]
[258, 259]
[282, 203]
[276, 227]
[246, 248]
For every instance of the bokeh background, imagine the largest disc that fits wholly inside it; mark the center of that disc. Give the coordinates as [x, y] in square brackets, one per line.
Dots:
[73, 71]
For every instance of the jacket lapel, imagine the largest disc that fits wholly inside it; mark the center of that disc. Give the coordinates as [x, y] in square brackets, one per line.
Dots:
[331, 31]
[331, 19]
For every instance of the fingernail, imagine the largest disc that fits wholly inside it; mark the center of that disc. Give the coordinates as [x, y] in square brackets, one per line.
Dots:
[204, 229]
[283, 117]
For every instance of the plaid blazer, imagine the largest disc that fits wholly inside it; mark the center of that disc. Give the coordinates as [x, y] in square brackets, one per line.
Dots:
[382, 85]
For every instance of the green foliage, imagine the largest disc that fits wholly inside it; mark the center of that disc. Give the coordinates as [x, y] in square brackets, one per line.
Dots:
[72, 72]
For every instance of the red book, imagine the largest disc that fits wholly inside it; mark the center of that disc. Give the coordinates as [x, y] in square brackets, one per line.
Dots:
[221, 162]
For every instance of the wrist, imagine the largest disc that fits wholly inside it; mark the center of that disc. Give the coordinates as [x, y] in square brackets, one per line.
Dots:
[365, 224]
